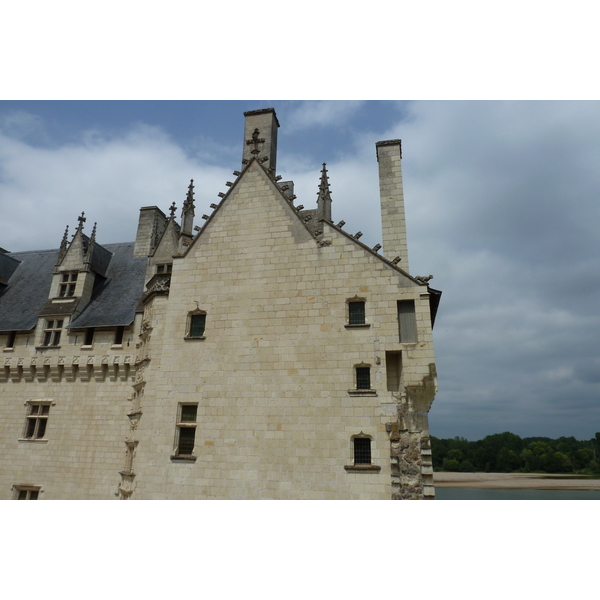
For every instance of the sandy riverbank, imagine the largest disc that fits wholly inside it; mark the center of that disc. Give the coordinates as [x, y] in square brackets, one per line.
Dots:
[515, 480]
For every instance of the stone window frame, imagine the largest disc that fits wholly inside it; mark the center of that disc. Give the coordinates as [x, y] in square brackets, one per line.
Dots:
[27, 490]
[67, 284]
[188, 326]
[38, 417]
[184, 425]
[362, 467]
[356, 391]
[356, 299]
[52, 333]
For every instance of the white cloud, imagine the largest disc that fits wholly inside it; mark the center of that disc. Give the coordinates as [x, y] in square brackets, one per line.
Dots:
[110, 178]
[321, 113]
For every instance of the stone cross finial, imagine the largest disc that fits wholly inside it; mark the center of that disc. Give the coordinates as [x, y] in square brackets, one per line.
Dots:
[256, 141]
[81, 220]
[172, 209]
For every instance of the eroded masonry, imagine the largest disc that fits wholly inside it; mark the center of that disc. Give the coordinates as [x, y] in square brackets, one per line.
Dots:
[260, 351]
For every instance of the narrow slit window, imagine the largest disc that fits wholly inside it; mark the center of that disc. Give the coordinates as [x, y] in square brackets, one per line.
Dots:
[393, 367]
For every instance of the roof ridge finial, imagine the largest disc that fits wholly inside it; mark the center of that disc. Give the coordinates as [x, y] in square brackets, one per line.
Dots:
[324, 196]
[324, 183]
[189, 200]
[172, 209]
[63, 243]
[93, 236]
[81, 220]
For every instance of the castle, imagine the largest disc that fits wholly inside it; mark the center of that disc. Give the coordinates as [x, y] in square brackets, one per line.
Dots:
[263, 352]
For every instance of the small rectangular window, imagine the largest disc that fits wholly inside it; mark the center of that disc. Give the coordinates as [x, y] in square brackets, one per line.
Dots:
[356, 313]
[67, 285]
[186, 429]
[37, 420]
[10, 342]
[362, 451]
[52, 332]
[89, 336]
[363, 378]
[407, 323]
[119, 336]
[197, 325]
[26, 492]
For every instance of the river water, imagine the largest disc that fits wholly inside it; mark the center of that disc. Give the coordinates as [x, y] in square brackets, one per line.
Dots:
[456, 493]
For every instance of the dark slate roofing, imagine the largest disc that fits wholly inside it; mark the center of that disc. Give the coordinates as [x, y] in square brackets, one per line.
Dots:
[100, 258]
[7, 266]
[27, 290]
[115, 298]
[113, 301]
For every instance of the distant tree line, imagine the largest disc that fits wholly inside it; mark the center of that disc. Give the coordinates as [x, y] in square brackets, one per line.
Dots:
[509, 453]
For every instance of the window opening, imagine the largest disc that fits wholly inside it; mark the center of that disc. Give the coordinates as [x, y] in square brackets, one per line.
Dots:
[356, 313]
[10, 342]
[186, 429]
[68, 282]
[363, 378]
[393, 367]
[407, 323]
[27, 493]
[37, 420]
[362, 451]
[52, 332]
[119, 336]
[197, 325]
[89, 336]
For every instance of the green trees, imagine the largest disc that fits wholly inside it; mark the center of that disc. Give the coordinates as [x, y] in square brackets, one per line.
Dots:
[507, 452]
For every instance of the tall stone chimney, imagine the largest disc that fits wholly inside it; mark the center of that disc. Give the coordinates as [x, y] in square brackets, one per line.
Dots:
[151, 225]
[260, 137]
[389, 155]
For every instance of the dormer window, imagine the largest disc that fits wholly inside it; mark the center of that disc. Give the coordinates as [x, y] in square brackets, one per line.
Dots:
[68, 282]
[52, 332]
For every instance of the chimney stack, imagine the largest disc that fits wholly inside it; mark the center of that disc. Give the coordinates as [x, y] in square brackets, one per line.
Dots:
[389, 155]
[260, 137]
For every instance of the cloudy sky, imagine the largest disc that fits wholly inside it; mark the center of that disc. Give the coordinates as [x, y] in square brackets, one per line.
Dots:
[502, 202]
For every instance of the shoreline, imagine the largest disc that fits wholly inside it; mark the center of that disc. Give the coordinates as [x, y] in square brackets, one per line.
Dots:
[539, 481]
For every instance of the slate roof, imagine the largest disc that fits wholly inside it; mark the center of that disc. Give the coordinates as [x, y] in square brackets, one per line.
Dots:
[113, 301]
[27, 290]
